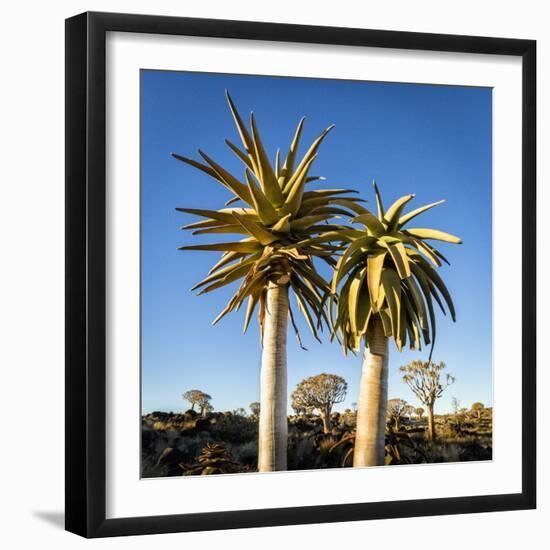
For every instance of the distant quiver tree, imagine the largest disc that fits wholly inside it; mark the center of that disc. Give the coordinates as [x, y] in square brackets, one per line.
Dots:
[397, 408]
[194, 397]
[424, 378]
[320, 392]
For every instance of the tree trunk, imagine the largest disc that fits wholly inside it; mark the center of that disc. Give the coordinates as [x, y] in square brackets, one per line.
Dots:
[431, 423]
[325, 416]
[272, 437]
[396, 424]
[373, 399]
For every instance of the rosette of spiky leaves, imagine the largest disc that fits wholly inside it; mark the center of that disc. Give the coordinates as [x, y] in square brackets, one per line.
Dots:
[214, 459]
[390, 271]
[275, 216]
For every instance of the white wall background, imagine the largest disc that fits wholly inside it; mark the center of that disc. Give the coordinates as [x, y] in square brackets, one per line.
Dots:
[32, 268]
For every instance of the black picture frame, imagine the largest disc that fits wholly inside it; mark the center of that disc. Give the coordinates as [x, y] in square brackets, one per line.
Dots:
[86, 269]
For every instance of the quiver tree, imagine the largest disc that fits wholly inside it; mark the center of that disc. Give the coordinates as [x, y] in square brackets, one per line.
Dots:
[255, 408]
[276, 219]
[320, 392]
[477, 409]
[397, 408]
[204, 403]
[384, 286]
[424, 378]
[419, 411]
[195, 397]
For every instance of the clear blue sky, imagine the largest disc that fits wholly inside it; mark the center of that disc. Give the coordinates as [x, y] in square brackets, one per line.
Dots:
[434, 141]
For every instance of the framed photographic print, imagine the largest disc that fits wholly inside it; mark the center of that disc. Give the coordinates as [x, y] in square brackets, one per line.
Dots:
[300, 274]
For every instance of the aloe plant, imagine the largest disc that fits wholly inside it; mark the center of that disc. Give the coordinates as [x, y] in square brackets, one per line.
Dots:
[384, 286]
[214, 459]
[275, 218]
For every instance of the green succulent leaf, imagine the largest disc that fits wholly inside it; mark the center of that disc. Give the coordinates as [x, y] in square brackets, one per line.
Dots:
[411, 215]
[226, 270]
[288, 167]
[255, 230]
[242, 246]
[266, 211]
[400, 259]
[435, 235]
[266, 174]
[283, 225]
[243, 132]
[232, 183]
[379, 202]
[306, 161]
[391, 217]
[372, 223]
[392, 290]
[353, 298]
[243, 156]
[296, 189]
[229, 228]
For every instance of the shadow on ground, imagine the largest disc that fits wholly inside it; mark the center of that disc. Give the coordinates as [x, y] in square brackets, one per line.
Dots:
[57, 519]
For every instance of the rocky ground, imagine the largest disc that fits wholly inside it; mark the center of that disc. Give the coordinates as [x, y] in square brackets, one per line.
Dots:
[226, 442]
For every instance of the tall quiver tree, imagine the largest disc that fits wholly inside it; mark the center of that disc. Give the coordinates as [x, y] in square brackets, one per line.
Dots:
[425, 380]
[320, 392]
[383, 287]
[274, 258]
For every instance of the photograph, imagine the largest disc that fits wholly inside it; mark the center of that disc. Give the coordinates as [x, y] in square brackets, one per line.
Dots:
[316, 274]
[274, 274]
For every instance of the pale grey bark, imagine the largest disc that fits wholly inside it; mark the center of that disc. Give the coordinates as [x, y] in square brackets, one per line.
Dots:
[272, 438]
[373, 399]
